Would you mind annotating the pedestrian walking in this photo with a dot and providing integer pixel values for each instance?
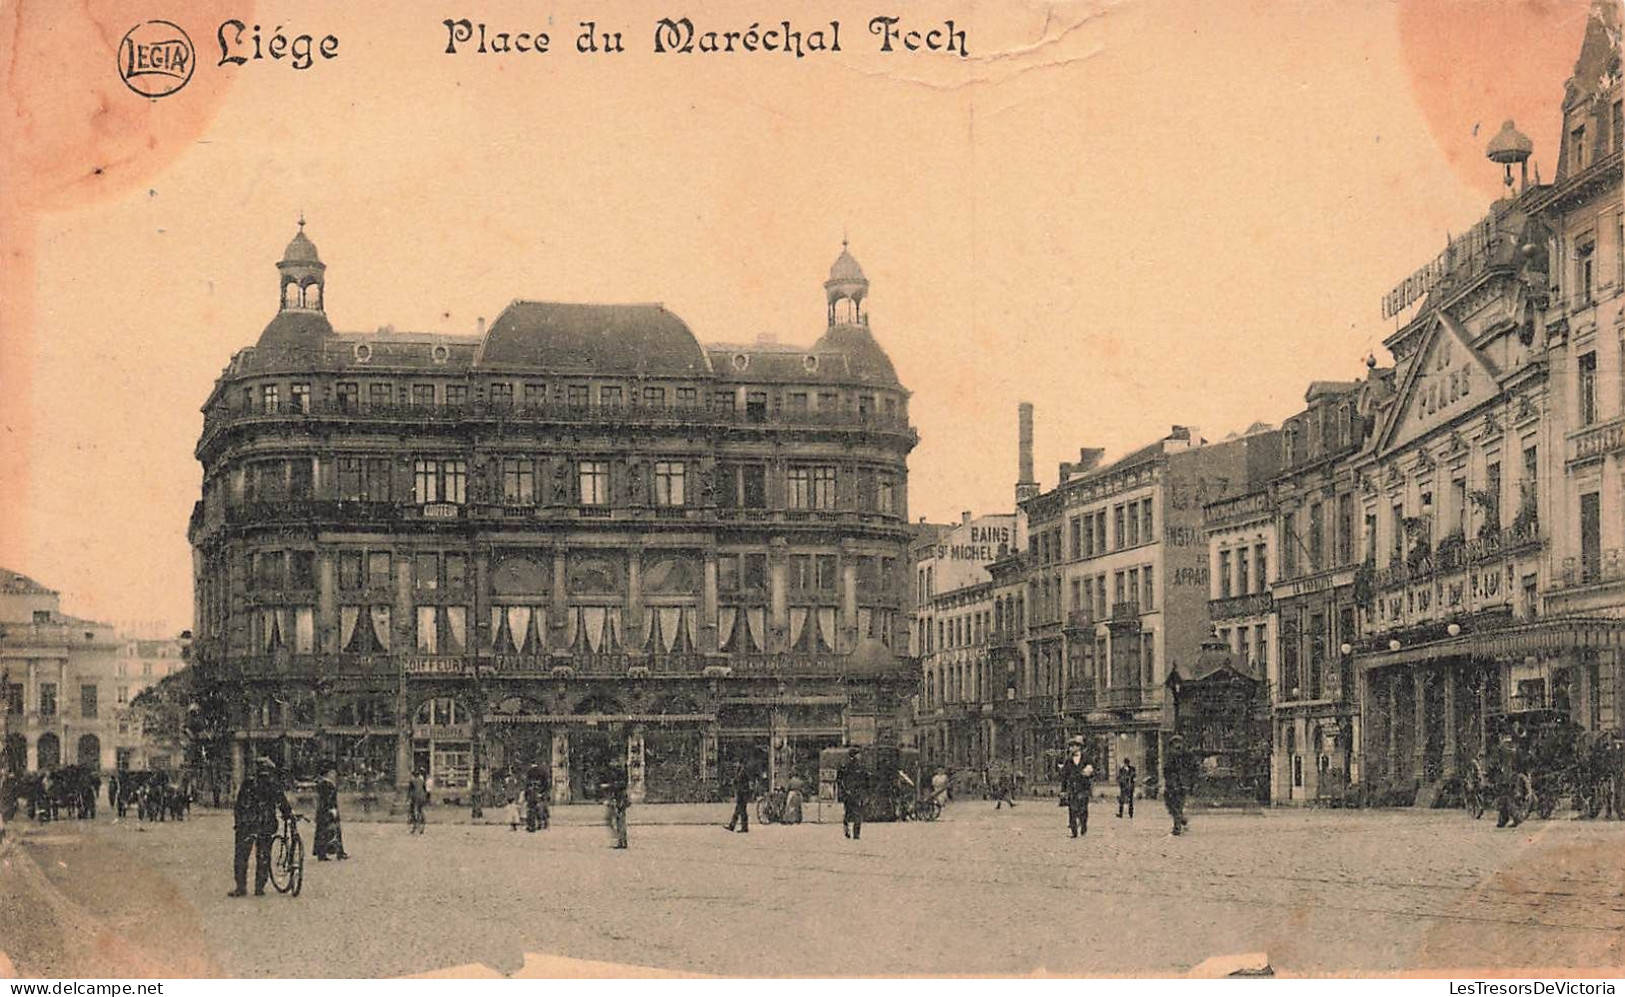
(1077, 785)
(254, 818)
(852, 785)
(1508, 782)
(329, 829)
(614, 789)
(1178, 781)
(537, 788)
(112, 793)
(793, 800)
(417, 798)
(741, 788)
(1127, 775)
(1003, 787)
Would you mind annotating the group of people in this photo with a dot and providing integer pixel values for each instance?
(262, 801)
(529, 804)
(1523, 770)
(1077, 775)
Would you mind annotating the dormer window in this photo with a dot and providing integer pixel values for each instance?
(1577, 149)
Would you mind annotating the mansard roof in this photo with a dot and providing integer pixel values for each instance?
(593, 339)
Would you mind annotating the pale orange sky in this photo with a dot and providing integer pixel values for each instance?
(1131, 215)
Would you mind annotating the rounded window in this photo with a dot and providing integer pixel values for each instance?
(741, 361)
(441, 354)
(810, 362)
(363, 352)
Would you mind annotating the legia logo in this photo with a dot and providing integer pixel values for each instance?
(156, 58)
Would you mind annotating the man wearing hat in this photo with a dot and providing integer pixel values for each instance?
(852, 784)
(259, 801)
(1077, 785)
(1178, 780)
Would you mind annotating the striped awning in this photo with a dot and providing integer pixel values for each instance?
(1567, 633)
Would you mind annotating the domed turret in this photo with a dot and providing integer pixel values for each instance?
(845, 290)
(300, 323)
(303, 274)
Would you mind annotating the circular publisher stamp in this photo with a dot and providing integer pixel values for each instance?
(156, 58)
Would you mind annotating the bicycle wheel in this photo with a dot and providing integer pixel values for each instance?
(296, 867)
(930, 810)
(279, 863)
(763, 811)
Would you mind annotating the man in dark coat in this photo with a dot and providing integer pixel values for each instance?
(329, 829)
(741, 787)
(1126, 777)
(1506, 776)
(536, 792)
(614, 790)
(1077, 785)
(259, 801)
(1178, 781)
(852, 785)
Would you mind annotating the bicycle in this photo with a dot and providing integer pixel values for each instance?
(288, 857)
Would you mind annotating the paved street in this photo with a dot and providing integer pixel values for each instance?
(980, 892)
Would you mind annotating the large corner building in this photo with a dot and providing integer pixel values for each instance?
(580, 535)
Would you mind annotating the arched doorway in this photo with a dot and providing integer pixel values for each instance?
(594, 745)
(90, 751)
(47, 753)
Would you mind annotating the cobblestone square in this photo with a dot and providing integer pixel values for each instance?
(979, 892)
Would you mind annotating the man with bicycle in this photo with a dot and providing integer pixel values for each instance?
(259, 802)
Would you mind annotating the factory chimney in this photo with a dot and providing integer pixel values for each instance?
(1026, 484)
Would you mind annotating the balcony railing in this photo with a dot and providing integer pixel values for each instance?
(1457, 557)
(221, 418)
(1081, 698)
(1251, 604)
(1080, 619)
(1597, 441)
(1609, 566)
(1125, 611)
(1124, 697)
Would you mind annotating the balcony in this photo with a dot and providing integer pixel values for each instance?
(289, 414)
(1081, 698)
(1251, 604)
(1596, 442)
(1457, 556)
(1125, 611)
(1125, 697)
(1609, 567)
(1080, 621)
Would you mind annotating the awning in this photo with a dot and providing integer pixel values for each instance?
(1568, 633)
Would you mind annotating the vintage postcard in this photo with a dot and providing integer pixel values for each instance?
(1087, 488)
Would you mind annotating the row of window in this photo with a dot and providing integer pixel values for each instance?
(273, 571)
(671, 483)
(1132, 524)
(1243, 572)
(46, 699)
(383, 394)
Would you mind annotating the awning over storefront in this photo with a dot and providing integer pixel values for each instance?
(1568, 633)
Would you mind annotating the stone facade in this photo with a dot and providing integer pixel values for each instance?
(577, 537)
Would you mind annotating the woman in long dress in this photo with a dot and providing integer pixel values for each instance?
(793, 800)
(329, 832)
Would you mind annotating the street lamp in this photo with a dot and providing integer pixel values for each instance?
(1454, 629)
(1346, 648)
(1393, 645)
